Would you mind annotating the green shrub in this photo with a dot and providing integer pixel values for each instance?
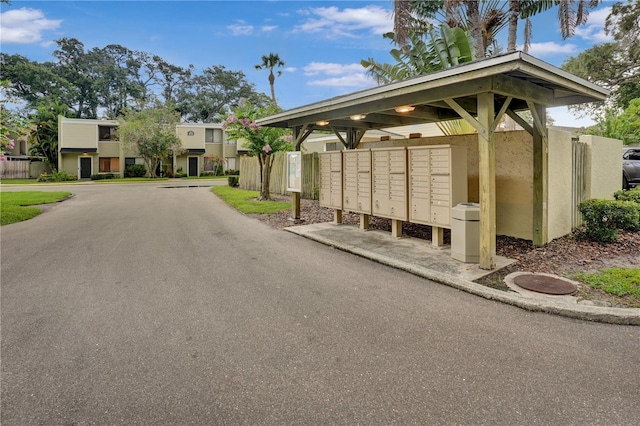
(604, 218)
(204, 174)
(632, 194)
(232, 172)
(179, 175)
(60, 176)
(233, 181)
(135, 170)
(101, 176)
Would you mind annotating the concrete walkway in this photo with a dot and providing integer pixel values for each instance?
(419, 257)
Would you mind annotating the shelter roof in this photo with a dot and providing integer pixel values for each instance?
(518, 77)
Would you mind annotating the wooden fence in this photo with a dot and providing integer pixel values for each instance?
(14, 169)
(250, 175)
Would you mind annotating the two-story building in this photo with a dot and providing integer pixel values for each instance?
(87, 147)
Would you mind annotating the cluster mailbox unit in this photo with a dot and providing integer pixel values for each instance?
(419, 184)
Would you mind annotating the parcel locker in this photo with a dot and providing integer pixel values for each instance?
(330, 179)
(356, 173)
(437, 182)
(390, 183)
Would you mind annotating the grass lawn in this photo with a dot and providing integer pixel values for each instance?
(30, 181)
(13, 204)
(621, 282)
(245, 201)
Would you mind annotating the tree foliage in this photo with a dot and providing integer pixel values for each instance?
(43, 139)
(262, 142)
(269, 62)
(103, 82)
(151, 134)
(437, 49)
(625, 126)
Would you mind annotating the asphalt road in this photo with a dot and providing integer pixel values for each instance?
(138, 304)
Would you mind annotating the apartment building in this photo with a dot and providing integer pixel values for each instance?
(87, 147)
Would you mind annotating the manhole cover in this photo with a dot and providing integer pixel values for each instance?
(544, 284)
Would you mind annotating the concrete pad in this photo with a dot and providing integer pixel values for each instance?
(381, 246)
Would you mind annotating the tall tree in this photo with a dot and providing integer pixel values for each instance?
(443, 47)
(43, 139)
(151, 133)
(213, 93)
(484, 19)
(270, 62)
(263, 142)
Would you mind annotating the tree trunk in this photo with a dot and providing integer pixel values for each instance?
(514, 12)
(266, 179)
(473, 13)
(272, 80)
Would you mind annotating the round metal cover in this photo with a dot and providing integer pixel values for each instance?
(545, 284)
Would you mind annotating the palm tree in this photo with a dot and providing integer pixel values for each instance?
(270, 62)
(571, 14)
(445, 47)
(485, 18)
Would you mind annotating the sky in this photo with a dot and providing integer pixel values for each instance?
(321, 42)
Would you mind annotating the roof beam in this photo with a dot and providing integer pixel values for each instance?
(522, 89)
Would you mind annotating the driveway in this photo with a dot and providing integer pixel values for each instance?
(140, 304)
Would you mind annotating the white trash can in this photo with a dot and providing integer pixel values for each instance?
(465, 232)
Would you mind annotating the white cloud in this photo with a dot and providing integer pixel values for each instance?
(593, 30)
(315, 68)
(240, 29)
(333, 22)
(290, 69)
(356, 80)
(551, 48)
(25, 25)
(267, 28)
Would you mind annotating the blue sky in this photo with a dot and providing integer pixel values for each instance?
(321, 42)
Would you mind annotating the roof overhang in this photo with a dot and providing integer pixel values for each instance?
(515, 76)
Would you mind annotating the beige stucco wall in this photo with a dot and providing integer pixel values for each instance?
(195, 141)
(109, 149)
(604, 166)
(560, 176)
(70, 163)
(80, 133)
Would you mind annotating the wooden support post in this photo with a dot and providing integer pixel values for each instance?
(437, 236)
(396, 228)
(295, 206)
(487, 177)
(540, 175)
(364, 221)
(337, 216)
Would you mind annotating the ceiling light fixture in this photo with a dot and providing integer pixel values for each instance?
(404, 108)
(322, 122)
(358, 117)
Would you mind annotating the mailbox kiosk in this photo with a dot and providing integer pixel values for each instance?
(331, 182)
(390, 197)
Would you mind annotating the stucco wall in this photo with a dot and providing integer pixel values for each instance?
(109, 149)
(604, 166)
(195, 141)
(560, 176)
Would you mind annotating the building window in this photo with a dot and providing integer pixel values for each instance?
(231, 141)
(107, 133)
(109, 165)
(129, 161)
(213, 136)
(331, 146)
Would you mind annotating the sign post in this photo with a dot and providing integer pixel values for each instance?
(294, 182)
